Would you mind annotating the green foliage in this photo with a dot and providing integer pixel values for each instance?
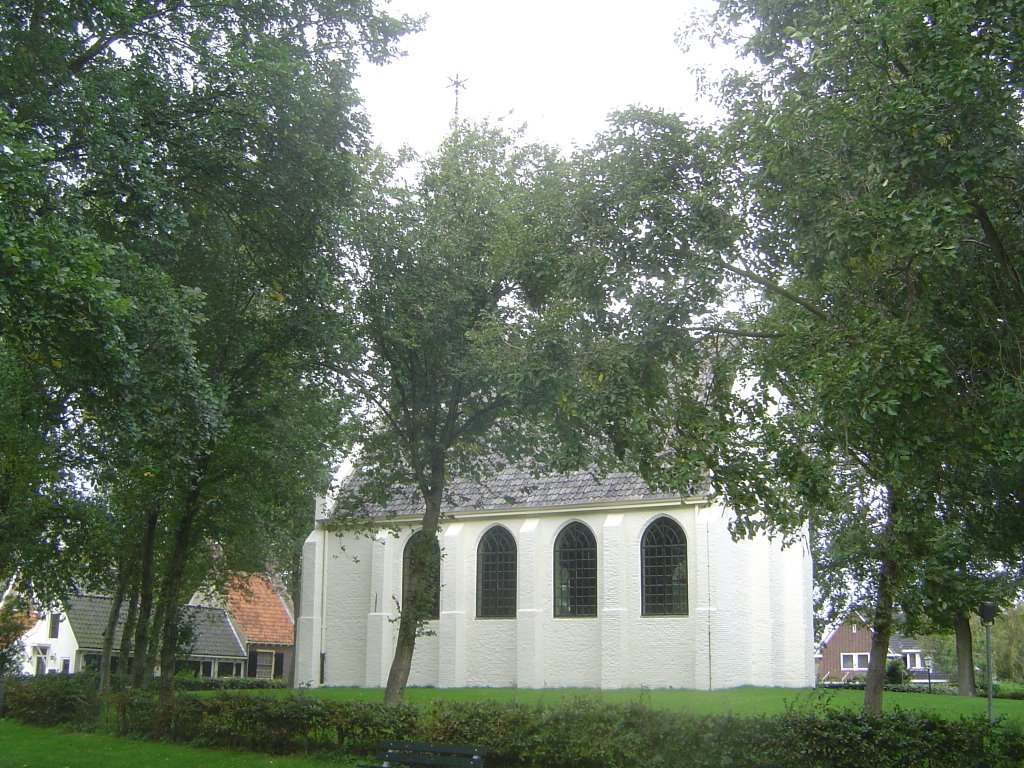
(171, 303)
(186, 683)
(52, 699)
(896, 672)
(577, 732)
(362, 725)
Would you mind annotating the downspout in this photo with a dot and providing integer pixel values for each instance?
(321, 664)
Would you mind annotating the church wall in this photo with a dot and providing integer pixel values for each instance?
(494, 661)
(749, 614)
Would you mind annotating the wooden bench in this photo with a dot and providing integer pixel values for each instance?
(394, 753)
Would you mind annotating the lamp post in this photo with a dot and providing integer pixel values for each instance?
(928, 662)
(987, 612)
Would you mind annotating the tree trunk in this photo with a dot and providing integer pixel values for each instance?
(170, 597)
(129, 630)
(881, 626)
(966, 685)
(141, 666)
(111, 628)
(414, 604)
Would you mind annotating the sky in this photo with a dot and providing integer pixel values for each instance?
(558, 66)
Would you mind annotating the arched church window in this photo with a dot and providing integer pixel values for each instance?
(575, 573)
(428, 551)
(496, 574)
(663, 569)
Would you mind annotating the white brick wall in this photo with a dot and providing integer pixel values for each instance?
(749, 616)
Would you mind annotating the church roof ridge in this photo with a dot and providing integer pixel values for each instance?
(512, 488)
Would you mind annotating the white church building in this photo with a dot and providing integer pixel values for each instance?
(562, 581)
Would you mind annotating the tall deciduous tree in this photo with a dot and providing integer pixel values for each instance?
(494, 306)
(879, 149)
(437, 298)
(208, 151)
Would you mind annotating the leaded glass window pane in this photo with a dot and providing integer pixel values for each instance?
(496, 574)
(430, 551)
(663, 569)
(575, 575)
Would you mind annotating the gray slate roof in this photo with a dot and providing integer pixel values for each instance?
(514, 488)
(88, 614)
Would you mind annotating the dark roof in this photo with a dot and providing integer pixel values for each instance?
(213, 635)
(513, 488)
(87, 615)
(901, 643)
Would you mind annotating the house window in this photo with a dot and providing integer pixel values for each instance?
(496, 574)
(265, 664)
(663, 569)
(912, 660)
(225, 669)
(575, 572)
(425, 547)
(855, 660)
(65, 666)
(54, 624)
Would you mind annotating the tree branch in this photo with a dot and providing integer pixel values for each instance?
(995, 242)
(720, 330)
(777, 289)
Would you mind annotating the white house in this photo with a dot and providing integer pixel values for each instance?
(71, 640)
(563, 581)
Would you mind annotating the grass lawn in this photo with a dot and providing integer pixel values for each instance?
(744, 701)
(26, 746)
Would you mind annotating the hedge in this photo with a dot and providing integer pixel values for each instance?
(581, 733)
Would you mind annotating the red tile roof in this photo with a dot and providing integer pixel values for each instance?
(259, 610)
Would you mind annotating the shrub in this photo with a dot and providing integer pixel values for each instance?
(191, 683)
(361, 725)
(261, 724)
(52, 699)
(135, 712)
(896, 672)
(507, 730)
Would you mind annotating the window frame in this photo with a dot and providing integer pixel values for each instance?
(574, 578)
(497, 574)
(264, 664)
(856, 659)
(664, 569)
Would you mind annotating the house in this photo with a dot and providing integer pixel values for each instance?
(844, 654)
(561, 581)
(71, 640)
(265, 625)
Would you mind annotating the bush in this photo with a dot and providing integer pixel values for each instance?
(260, 724)
(507, 730)
(361, 725)
(52, 699)
(191, 683)
(576, 734)
(896, 672)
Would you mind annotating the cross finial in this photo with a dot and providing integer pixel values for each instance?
(458, 84)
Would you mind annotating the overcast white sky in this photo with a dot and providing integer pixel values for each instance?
(560, 66)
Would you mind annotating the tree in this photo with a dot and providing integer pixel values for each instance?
(878, 151)
(493, 308)
(439, 317)
(209, 149)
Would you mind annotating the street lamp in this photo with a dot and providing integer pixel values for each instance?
(928, 662)
(987, 612)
